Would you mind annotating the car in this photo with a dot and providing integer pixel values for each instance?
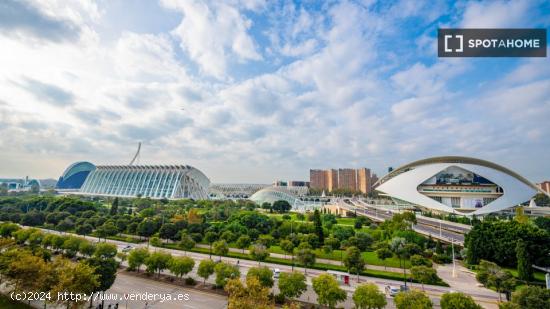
(276, 273)
(127, 248)
(392, 290)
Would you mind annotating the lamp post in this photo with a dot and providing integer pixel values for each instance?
(454, 262)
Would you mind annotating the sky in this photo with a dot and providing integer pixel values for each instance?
(254, 91)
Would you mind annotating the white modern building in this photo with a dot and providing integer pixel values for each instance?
(272, 194)
(459, 185)
(153, 181)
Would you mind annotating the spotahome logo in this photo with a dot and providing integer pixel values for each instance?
(491, 43)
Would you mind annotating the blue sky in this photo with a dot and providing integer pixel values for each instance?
(253, 91)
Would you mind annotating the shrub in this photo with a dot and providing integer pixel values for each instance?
(442, 259)
(190, 281)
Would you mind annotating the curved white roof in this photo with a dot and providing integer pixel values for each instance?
(403, 182)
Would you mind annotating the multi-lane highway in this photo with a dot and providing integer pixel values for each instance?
(445, 231)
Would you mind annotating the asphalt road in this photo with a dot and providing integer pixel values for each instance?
(423, 225)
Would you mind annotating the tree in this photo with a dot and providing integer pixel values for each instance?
(187, 243)
(27, 272)
(491, 275)
(292, 285)
(412, 300)
(210, 238)
(318, 226)
(114, 207)
(368, 296)
(243, 242)
(281, 206)
(305, 256)
(86, 248)
(383, 254)
(74, 277)
(353, 260)
(328, 290)
(146, 228)
(105, 269)
(259, 252)
(418, 260)
(137, 257)
(220, 248)
(83, 229)
(263, 274)
(206, 269)
(525, 270)
(531, 297)
(496, 241)
(225, 271)
(180, 266)
(105, 251)
(168, 231)
(71, 245)
(424, 275)
(157, 262)
(457, 300)
(288, 248)
(253, 296)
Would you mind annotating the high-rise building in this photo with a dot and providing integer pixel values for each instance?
(331, 178)
(544, 186)
(317, 179)
(363, 180)
(344, 178)
(373, 180)
(347, 179)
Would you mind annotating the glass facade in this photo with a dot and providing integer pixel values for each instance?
(74, 176)
(171, 182)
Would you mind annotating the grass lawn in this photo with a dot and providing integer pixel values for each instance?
(538, 276)
(346, 221)
(7, 303)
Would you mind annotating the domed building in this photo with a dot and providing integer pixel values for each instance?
(459, 185)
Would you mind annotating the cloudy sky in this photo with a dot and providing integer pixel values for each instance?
(252, 90)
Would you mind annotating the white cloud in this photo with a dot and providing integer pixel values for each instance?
(214, 33)
(498, 14)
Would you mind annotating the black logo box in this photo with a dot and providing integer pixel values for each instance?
(449, 42)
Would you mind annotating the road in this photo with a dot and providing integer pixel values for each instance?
(483, 296)
(423, 226)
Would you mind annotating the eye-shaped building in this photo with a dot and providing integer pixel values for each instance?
(459, 185)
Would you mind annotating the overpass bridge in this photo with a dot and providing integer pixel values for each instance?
(438, 229)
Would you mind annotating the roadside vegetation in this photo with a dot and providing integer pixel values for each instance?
(220, 228)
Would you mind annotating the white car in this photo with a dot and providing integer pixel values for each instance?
(276, 273)
(392, 290)
(127, 248)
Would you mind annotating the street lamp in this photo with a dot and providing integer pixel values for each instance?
(454, 262)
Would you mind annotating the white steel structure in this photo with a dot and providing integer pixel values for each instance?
(458, 185)
(273, 194)
(165, 181)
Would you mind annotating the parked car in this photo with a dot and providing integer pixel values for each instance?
(392, 290)
(276, 273)
(127, 248)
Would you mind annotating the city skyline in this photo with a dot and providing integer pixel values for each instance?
(277, 90)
